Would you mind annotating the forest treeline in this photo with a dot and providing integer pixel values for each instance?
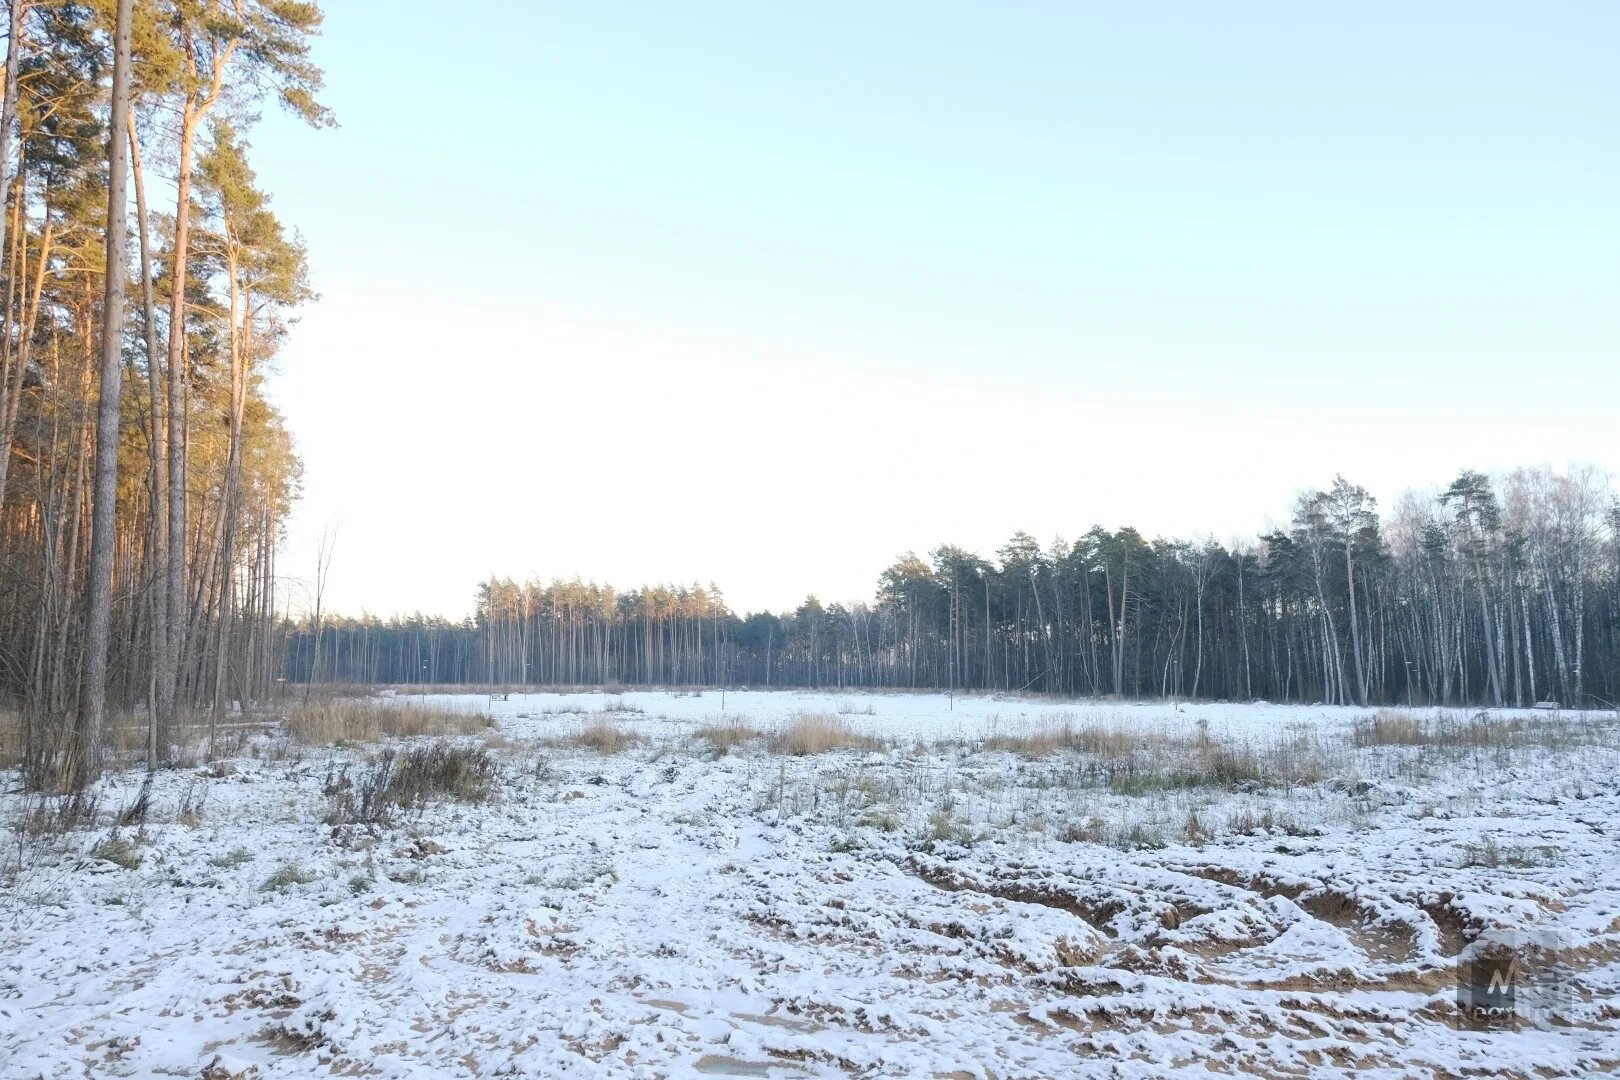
(144, 478)
(1500, 591)
(146, 284)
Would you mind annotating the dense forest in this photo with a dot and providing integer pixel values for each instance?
(145, 478)
(1500, 592)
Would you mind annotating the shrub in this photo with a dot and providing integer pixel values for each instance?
(443, 770)
(362, 799)
(817, 733)
(409, 780)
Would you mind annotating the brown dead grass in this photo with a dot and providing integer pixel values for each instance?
(818, 733)
(1390, 727)
(601, 735)
(1396, 727)
(10, 739)
(1133, 760)
(725, 734)
(1108, 741)
(344, 721)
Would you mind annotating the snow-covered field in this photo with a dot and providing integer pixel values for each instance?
(991, 888)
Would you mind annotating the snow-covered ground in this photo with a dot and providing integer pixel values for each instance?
(946, 901)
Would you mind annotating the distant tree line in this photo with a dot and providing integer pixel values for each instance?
(1489, 592)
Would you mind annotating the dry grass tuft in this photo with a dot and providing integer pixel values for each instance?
(1390, 727)
(1395, 727)
(601, 735)
(817, 733)
(117, 850)
(1133, 760)
(1111, 742)
(725, 734)
(287, 875)
(344, 721)
(1205, 763)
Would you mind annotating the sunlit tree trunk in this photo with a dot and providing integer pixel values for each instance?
(104, 522)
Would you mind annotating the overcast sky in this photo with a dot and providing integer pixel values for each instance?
(703, 291)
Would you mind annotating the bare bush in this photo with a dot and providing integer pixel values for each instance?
(346, 721)
(134, 813)
(360, 798)
(443, 770)
(1252, 822)
(408, 780)
(817, 733)
(54, 815)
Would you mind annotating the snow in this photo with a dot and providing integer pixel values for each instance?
(933, 907)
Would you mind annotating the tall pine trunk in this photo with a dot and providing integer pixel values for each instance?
(104, 524)
(169, 668)
(157, 476)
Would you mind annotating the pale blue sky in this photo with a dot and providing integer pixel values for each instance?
(935, 256)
